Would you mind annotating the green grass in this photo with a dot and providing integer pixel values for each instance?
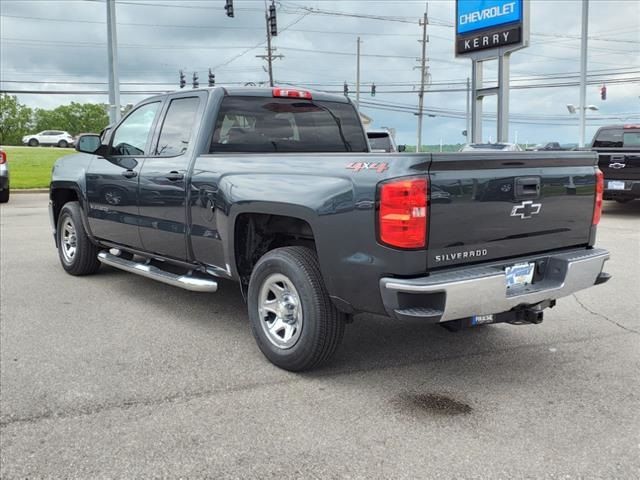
(30, 167)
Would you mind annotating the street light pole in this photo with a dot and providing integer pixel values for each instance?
(112, 58)
(358, 74)
(583, 70)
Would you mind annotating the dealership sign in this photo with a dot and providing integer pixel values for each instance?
(490, 24)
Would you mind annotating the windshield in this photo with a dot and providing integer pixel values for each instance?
(266, 124)
(379, 141)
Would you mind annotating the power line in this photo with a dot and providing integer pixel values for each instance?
(431, 90)
(37, 43)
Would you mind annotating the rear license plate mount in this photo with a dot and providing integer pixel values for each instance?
(615, 185)
(519, 275)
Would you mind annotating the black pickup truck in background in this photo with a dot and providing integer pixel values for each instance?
(618, 148)
(277, 190)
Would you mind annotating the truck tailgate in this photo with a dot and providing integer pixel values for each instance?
(488, 206)
(619, 163)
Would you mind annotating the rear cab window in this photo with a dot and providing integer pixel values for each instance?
(608, 138)
(266, 124)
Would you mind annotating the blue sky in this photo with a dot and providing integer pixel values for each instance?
(63, 41)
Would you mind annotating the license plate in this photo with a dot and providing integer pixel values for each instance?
(520, 274)
(612, 185)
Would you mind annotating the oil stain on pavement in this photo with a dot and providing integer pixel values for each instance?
(429, 403)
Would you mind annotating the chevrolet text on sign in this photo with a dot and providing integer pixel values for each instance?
(478, 14)
(488, 24)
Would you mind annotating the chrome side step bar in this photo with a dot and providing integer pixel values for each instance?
(188, 282)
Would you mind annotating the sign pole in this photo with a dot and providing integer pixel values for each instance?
(503, 98)
(476, 102)
(468, 116)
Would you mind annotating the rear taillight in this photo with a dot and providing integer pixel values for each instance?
(402, 214)
(291, 93)
(3, 157)
(597, 207)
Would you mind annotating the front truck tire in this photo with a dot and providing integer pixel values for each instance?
(294, 322)
(78, 255)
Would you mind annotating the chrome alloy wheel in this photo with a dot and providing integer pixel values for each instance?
(280, 311)
(69, 241)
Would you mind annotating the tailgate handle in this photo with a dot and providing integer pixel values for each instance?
(617, 158)
(527, 187)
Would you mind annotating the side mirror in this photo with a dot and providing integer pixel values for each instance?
(88, 143)
(402, 148)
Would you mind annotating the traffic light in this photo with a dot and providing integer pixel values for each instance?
(373, 89)
(346, 88)
(603, 92)
(183, 82)
(271, 20)
(212, 78)
(229, 8)
(195, 80)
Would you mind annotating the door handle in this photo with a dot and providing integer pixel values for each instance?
(175, 176)
(129, 174)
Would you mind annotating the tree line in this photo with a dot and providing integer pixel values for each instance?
(18, 120)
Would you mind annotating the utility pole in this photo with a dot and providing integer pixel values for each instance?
(358, 75)
(270, 22)
(269, 51)
(423, 75)
(112, 58)
(583, 70)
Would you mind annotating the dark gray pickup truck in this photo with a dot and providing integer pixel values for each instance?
(276, 189)
(618, 148)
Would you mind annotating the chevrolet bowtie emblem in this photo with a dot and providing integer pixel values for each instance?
(526, 209)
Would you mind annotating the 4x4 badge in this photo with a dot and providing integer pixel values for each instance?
(526, 209)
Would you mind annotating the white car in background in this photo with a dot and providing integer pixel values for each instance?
(57, 138)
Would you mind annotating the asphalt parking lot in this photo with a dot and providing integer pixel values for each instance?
(114, 375)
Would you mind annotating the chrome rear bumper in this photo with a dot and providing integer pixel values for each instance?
(482, 290)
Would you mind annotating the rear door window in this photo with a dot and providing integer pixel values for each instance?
(265, 124)
(177, 127)
(609, 138)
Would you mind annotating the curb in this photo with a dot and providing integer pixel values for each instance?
(30, 190)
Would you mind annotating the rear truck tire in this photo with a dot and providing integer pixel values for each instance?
(4, 195)
(295, 324)
(63, 144)
(78, 255)
(33, 142)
